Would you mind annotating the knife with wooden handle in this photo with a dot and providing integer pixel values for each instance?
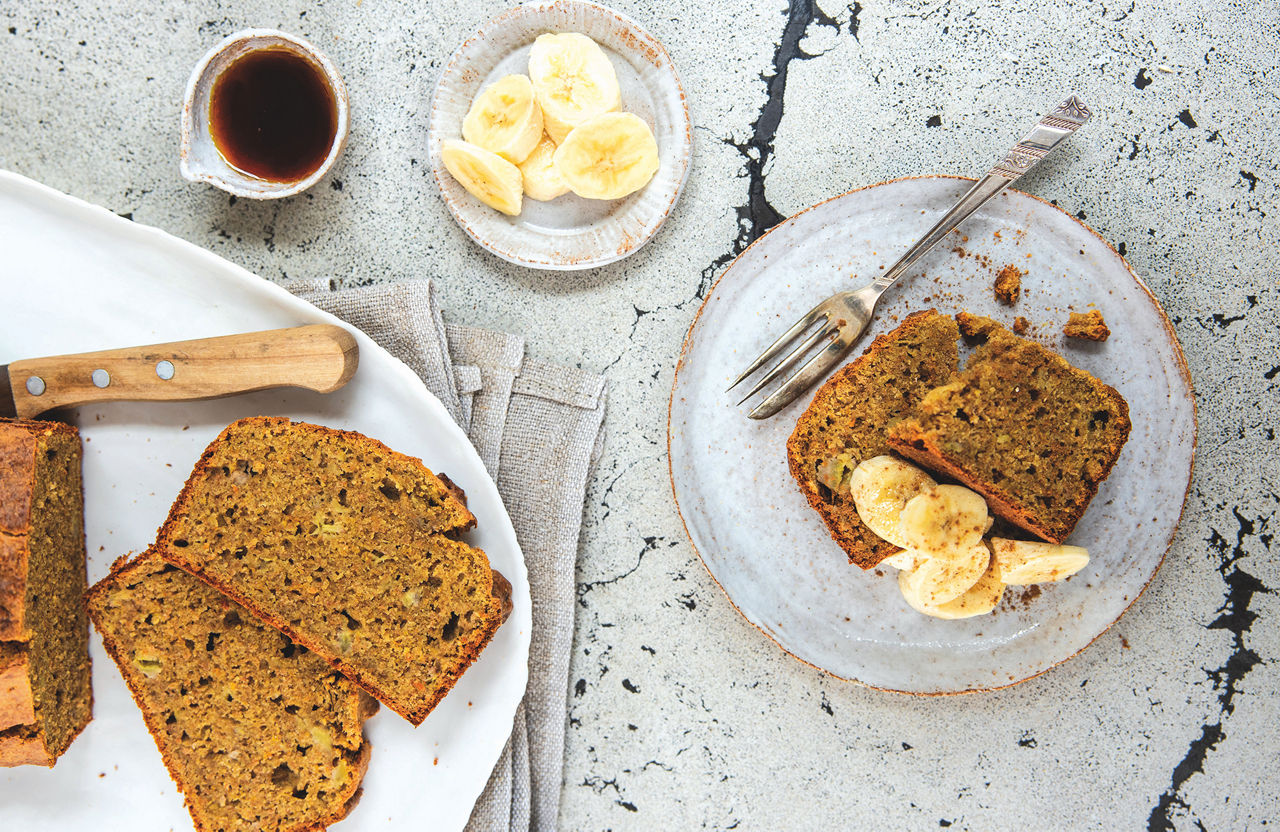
(319, 357)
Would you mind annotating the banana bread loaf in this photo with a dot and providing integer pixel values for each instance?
(345, 546)
(258, 733)
(45, 693)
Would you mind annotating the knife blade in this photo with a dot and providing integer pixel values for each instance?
(7, 410)
(319, 357)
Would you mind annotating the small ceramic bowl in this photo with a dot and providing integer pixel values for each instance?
(568, 232)
(200, 159)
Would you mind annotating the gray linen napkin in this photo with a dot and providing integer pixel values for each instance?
(537, 428)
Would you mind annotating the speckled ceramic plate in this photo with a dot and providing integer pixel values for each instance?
(76, 277)
(569, 232)
(770, 551)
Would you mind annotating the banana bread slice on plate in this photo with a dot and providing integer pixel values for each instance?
(1029, 432)
(257, 733)
(345, 546)
(847, 421)
(46, 697)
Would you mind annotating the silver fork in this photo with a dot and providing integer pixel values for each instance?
(845, 315)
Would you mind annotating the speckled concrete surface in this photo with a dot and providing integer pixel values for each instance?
(681, 714)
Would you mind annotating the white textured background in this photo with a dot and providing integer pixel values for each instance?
(681, 714)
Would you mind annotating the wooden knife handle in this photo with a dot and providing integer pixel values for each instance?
(319, 357)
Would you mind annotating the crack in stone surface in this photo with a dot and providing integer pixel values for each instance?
(757, 215)
(1236, 617)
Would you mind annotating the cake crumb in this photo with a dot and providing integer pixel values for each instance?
(1021, 325)
(1087, 325)
(1008, 285)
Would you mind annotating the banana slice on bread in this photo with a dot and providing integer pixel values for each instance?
(881, 487)
(947, 568)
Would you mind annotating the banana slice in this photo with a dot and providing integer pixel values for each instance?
(608, 157)
(489, 177)
(944, 520)
(979, 599)
(574, 81)
(1021, 562)
(505, 119)
(881, 487)
(905, 560)
(938, 580)
(541, 179)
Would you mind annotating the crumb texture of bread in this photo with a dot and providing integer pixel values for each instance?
(257, 732)
(1008, 285)
(1021, 325)
(1088, 326)
(46, 696)
(345, 546)
(851, 413)
(1021, 426)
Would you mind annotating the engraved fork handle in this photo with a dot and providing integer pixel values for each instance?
(1044, 137)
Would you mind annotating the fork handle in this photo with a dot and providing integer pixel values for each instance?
(1044, 137)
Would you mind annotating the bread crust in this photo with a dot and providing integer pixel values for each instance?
(17, 701)
(18, 750)
(155, 721)
(863, 547)
(477, 640)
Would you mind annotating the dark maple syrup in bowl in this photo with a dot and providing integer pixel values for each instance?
(273, 115)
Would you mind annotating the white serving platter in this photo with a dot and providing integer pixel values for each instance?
(568, 232)
(75, 278)
(770, 552)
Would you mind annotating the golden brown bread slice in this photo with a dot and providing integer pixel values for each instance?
(46, 697)
(345, 546)
(1029, 432)
(848, 418)
(257, 733)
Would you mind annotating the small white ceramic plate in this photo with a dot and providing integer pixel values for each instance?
(770, 551)
(568, 232)
(76, 278)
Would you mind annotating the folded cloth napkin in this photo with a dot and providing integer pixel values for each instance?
(537, 427)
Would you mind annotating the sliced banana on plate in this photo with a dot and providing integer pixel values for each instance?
(505, 119)
(1021, 562)
(608, 157)
(979, 599)
(945, 519)
(881, 487)
(541, 179)
(486, 175)
(906, 560)
(574, 81)
(938, 580)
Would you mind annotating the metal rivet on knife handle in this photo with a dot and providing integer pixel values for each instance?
(35, 385)
(101, 378)
(164, 369)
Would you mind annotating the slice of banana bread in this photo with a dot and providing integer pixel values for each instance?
(344, 545)
(46, 697)
(849, 415)
(257, 733)
(1029, 432)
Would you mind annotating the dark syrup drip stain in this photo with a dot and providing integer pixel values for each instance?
(273, 115)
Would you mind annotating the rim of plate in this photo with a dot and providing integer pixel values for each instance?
(463, 206)
(1183, 369)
